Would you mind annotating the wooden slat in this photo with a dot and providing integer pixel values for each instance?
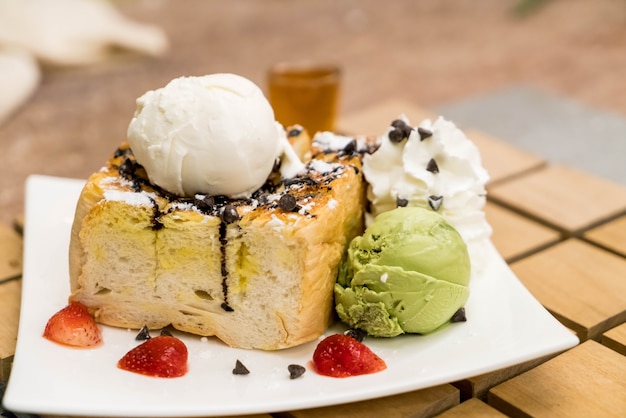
(586, 381)
(18, 223)
(581, 284)
(478, 386)
(515, 235)
(10, 253)
(250, 416)
(422, 403)
(10, 293)
(611, 235)
(615, 338)
(473, 408)
(229, 416)
(5, 370)
(562, 196)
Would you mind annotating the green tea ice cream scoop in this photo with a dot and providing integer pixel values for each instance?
(408, 273)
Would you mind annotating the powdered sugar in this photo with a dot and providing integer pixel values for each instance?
(131, 198)
(323, 167)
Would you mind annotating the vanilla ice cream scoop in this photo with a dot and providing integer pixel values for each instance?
(214, 134)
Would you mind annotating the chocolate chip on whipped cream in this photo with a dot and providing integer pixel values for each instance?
(435, 202)
(396, 136)
(400, 132)
(424, 133)
(432, 166)
(402, 126)
(401, 202)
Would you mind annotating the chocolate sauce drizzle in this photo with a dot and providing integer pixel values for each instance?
(223, 243)
(156, 215)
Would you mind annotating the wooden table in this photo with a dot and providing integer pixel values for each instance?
(573, 262)
(562, 231)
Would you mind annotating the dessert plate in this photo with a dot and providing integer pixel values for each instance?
(505, 326)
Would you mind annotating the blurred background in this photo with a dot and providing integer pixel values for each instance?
(451, 56)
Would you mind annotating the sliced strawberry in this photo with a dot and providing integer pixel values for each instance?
(73, 326)
(340, 355)
(162, 356)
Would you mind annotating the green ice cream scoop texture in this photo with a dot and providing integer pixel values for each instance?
(408, 273)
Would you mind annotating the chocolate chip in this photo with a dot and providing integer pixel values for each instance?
(165, 333)
(432, 166)
(263, 199)
(229, 214)
(459, 316)
(403, 127)
(435, 202)
(424, 133)
(357, 334)
(401, 202)
(120, 151)
(295, 371)
(400, 132)
(205, 204)
(396, 135)
(221, 200)
(295, 131)
(406, 131)
(240, 368)
(144, 334)
(288, 202)
(398, 123)
(350, 148)
(127, 168)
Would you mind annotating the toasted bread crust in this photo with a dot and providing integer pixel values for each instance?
(260, 279)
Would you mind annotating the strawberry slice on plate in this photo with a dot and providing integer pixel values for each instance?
(73, 326)
(162, 356)
(341, 355)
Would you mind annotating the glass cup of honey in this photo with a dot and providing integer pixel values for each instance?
(305, 93)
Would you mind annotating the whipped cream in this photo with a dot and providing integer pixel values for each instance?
(435, 167)
(213, 134)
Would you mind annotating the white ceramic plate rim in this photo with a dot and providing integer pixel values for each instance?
(505, 326)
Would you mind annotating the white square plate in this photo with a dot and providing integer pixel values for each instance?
(505, 326)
